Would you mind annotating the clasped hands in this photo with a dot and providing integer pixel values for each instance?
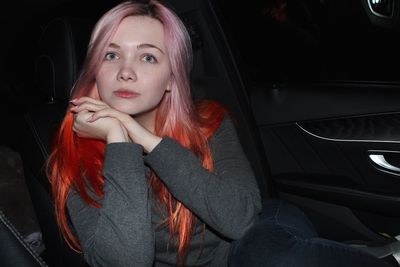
(95, 119)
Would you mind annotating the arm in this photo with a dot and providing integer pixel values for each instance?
(228, 199)
(120, 232)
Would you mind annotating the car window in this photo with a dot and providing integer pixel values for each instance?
(294, 40)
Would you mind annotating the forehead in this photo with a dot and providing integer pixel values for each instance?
(135, 30)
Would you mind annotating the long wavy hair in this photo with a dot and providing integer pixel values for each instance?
(77, 162)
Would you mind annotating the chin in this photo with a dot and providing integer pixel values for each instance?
(128, 109)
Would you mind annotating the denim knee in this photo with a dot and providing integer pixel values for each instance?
(273, 234)
(283, 236)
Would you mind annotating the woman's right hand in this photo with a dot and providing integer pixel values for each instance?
(108, 129)
(100, 111)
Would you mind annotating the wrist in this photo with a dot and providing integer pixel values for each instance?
(117, 136)
(150, 143)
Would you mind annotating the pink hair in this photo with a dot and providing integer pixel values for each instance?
(177, 117)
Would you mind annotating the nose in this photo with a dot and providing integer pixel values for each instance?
(127, 73)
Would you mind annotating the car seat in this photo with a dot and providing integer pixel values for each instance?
(62, 49)
(14, 251)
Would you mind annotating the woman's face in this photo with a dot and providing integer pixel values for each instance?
(135, 72)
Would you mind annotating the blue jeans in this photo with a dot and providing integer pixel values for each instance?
(284, 237)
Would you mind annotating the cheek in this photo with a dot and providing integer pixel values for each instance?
(102, 82)
(159, 88)
(100, 90)
(155, 97)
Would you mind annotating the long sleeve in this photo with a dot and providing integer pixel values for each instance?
(120, 232)
(226, 199)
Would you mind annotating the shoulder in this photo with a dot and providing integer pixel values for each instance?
(226, 127)
(211, 115)
(226, 134)
(216, 121)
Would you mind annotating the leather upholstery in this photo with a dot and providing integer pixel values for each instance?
(56, 71)
(61, 50)
(13, 249)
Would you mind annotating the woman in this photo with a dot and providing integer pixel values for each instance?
(147, 176)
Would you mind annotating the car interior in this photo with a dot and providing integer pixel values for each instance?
(328, 145)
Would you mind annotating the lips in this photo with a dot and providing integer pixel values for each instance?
(124, 93)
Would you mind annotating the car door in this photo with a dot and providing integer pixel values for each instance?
(323, 84)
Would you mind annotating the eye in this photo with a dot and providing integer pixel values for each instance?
(149, 59)
(111, 56)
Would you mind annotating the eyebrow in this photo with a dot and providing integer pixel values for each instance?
(149, 46)
(140, 46)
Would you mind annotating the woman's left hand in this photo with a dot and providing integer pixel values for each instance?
(137, 133)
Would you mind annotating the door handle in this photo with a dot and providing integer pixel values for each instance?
(380, 160)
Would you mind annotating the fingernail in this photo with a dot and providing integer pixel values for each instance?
(73, 100)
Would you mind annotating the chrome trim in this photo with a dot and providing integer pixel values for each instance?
(396, 255)
(380, 15)
(382, 162)
(346, 140)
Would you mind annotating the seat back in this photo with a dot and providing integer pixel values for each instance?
(215, 76)
(61, 51)
(14, 251)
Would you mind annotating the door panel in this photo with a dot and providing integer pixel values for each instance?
(321, 152)
(284, 103)
(323, 84)
(373, 128)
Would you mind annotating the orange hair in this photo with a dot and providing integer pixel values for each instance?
(77, 162)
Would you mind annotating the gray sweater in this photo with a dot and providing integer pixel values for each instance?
(127, 230)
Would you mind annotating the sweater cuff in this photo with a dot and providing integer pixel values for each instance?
(160, 150)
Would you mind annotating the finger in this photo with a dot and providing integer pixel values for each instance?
(107, 112)
(87, 106)
(82, 117)
(83, 99)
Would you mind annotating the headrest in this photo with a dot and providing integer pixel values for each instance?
(62, 49)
